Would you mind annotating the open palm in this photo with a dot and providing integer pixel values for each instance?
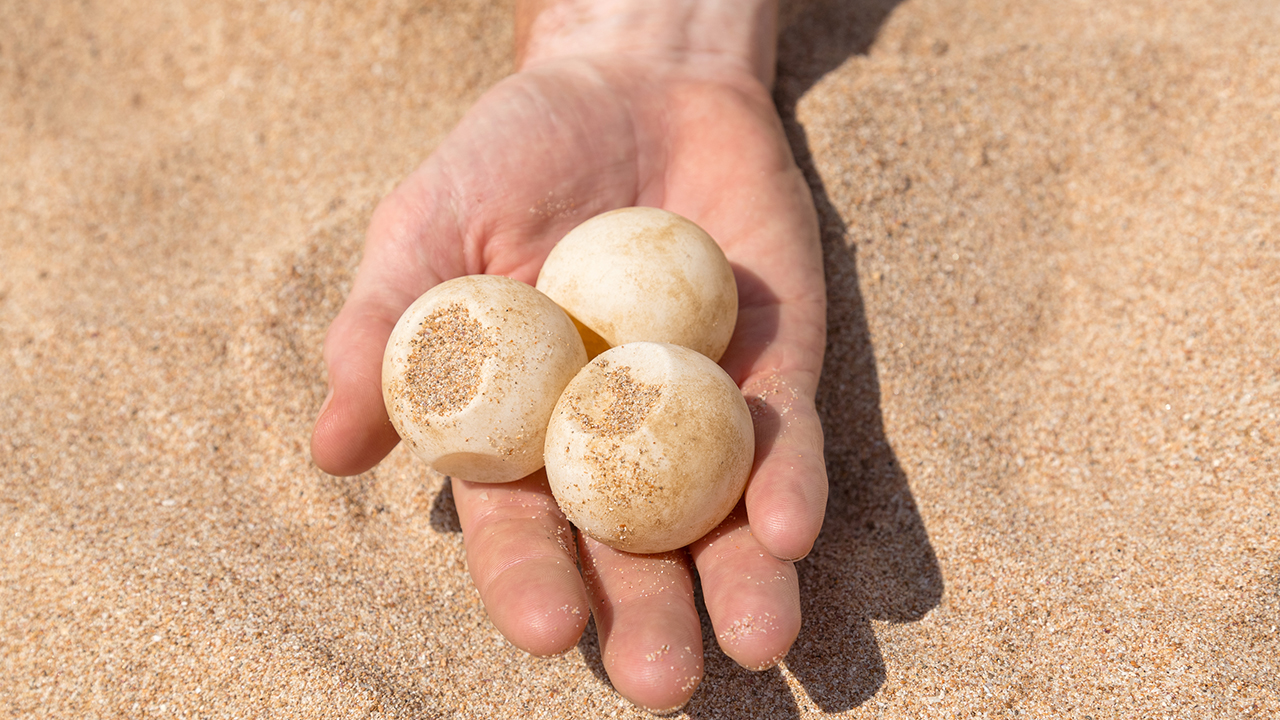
(542, 151)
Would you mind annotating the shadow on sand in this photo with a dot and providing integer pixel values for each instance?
(873, 560)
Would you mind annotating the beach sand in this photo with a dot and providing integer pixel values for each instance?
(1051, 394)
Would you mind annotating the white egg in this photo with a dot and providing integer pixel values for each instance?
(649, 447)
(472, 372)
(643, 274)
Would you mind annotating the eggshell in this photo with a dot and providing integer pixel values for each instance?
(649, 447)
(643, 274)
(472, 372)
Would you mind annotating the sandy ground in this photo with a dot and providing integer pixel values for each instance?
(1052, 233)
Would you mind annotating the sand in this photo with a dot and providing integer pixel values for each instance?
(1051, 393)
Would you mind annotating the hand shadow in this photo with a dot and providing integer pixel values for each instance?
(873, 559)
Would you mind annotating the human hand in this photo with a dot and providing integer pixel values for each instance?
(566, 138)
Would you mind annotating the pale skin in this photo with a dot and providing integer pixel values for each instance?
(615, 103)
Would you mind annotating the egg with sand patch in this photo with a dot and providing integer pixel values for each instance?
(649, 447)
(472, 371)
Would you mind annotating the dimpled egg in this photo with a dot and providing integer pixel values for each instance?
(642, 273)
(472, 372)
(649, 447)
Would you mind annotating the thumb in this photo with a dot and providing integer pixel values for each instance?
(353, 431)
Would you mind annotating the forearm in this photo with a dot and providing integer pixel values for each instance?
(741, 33)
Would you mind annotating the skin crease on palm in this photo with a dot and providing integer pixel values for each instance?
(550, 146)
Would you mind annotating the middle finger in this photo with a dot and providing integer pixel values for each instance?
(650, 635)
(521, 554)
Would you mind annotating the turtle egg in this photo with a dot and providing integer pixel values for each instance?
(642, 273)
(472, 372)
(649, 447)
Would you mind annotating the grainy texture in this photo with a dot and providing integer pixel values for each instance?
(1051, 392)
(443, 369)
(625, 402)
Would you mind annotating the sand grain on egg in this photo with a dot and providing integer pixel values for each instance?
(626, 403)
(617, 413)
(443, 373)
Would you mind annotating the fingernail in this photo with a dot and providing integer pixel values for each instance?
(327, 399)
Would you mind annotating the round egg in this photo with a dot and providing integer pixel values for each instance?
(649, 447)
(642, 273)
(472, 372)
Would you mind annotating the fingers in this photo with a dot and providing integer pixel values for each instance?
(650, 637)
(521, 554)
(787, 495)
(752, 597)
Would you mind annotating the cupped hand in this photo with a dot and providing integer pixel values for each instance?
(542, 151)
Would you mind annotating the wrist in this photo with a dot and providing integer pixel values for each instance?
(740, 34)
